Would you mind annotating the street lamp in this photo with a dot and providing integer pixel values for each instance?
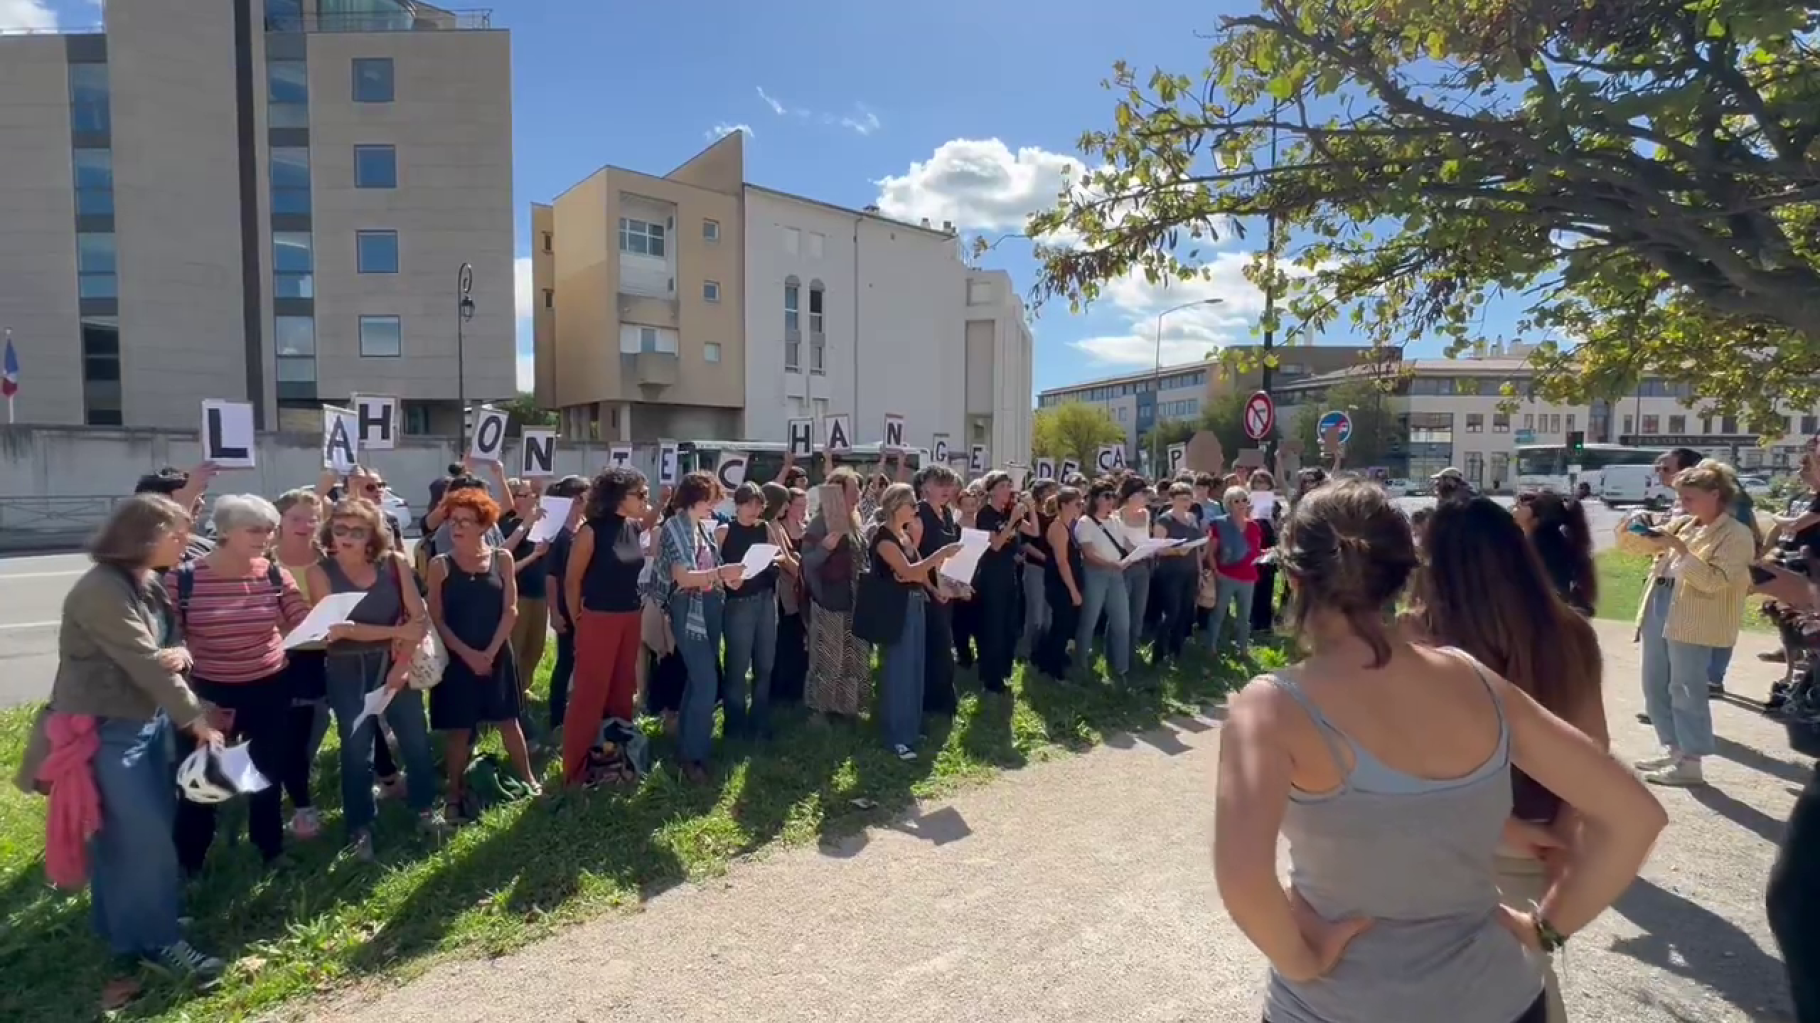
(1156, 385)
(464, 311)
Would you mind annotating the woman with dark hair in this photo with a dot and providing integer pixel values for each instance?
(1035, 549)
(963, 603)
(890, 550)
(1064, 577)
(473, 604)
(533, 622)
(1518, 626)
(995, 583)
(601, 587)
(936, 486)
(1266, 511)
(1176, 574)
(1556, 527)
(556, 572)
(840, 663)
(749, 619)
(787, 509)
(688, 561)
(1386, 764)
(1103, 588)
(1132, 524)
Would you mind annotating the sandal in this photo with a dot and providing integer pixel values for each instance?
(119, 993)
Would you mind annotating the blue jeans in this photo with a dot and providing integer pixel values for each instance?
(1721, 662)
(351, 675)
(1232, 602)
(1105, 591)
(901, 703)
(1674, 683)
(1036, 607)
(751, 628)
(135, 884)
(695, 724)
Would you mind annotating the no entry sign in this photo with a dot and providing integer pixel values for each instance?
(1333, 419)
(1260, 416)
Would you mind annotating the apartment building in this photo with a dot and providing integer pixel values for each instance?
(737, 308)
(1446, 412)
(265, 200)
(1141, 401)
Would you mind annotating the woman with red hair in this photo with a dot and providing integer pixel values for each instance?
(474, 604)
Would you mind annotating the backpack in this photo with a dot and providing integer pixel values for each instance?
(489, 782)
(1233, 545)
(186, 584)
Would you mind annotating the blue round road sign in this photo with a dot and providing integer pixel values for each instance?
(1331, 419)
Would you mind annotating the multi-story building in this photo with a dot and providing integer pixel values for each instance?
(1449, 412)
(1141, 401)
(267, 204)
(737, 308)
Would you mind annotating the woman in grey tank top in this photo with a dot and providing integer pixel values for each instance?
(1386, 766)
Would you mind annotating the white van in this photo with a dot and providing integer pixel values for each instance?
(1631, 484)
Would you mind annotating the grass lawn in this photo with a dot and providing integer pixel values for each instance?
(327, 920)
(1621, 579)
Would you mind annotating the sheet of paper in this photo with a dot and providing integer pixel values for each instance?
(974, 545)
(237, 764)
(1192, 544)
(555, 513)
(759, 557)
(333, 610)
(1263, 504)
(1146, 549)
(374, 705)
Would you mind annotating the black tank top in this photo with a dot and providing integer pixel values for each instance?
(609, 583)
(733, 549)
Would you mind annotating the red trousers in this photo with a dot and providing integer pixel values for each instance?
(605, 686)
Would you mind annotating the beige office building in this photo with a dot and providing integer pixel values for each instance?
(257, 200)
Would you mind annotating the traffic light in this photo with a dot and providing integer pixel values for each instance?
(1576, 441)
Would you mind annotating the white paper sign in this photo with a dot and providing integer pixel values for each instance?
(974, 545)
(839, 432)
(373, 706)
(894, 432)
(976, 460)
(1263, 504)
(228, 438)
(378, 421)
(619, 456)
(340, 439)
(801, 435)
(1109, 458)
(1045, 468)
(668, 457)
(759, 557)
(732, 469)
(1178, 457)
(1147, 548)
(332, 610)
(489, 434)
(539, 458)
(938, 449)
(1070, 467)
(236, 763)
(555, 513)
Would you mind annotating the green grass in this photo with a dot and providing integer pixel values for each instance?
(327, 920)
(1621, 580)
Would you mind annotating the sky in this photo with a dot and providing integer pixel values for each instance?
(954, 110)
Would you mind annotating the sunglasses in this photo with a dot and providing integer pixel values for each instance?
(349, 532)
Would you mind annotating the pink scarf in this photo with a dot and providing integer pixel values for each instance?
(74, 814)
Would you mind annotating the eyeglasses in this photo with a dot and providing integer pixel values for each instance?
(340, 532)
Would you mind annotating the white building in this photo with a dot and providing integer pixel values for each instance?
(847, 311)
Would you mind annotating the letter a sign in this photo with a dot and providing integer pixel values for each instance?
(340, 430)
(894, 432)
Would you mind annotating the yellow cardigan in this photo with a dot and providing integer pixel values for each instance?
(1708, 603)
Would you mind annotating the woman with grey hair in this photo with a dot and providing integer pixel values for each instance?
(840, 663)
(236, 605)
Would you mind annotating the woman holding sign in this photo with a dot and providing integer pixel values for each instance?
(751, 617)
(840, 663)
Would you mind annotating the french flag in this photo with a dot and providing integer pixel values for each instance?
(9, 370)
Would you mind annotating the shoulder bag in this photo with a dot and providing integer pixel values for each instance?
(881, 603)
(429, 659)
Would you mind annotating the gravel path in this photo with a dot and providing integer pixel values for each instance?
(1081, 889)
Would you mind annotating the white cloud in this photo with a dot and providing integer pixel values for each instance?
(26, 16)
(1188, 334)
(777, 106)
(524, 301)
(979, 184)
(864, 122)
(723, 129)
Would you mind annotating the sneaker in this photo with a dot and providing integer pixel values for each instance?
(903, 752)
(1715, 689)
(1643, 719)
(1680, 774)
(1666, 758)
(361, 847)
(306, 823)
(182, 958)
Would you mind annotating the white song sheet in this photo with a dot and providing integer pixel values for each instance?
(974, 545)
(333, 610)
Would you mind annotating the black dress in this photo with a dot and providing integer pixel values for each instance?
(472, 605)
(1052, 651)
(940, 528)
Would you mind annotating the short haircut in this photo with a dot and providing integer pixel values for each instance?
(485, 509)
(608, 490)
(242, 511)
(131, 535)
(568, 486)
(166, 481)
(696, 488)
(300, 495)
(379, 534)
(1683, 458)
(748, 493)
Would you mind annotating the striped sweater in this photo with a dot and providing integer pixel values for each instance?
(235, 627)
(1711, 581)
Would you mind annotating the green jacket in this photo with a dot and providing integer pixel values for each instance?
(107, 664)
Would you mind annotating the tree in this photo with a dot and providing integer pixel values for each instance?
(1074, 430)
(1641, 176)
(526, 412)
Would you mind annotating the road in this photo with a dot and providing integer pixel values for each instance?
(32, 590)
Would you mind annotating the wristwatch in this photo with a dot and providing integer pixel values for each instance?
(1550, 939)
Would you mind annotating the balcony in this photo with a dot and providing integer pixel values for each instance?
(385, 16)
(656, 369)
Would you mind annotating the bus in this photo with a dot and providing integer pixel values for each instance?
(1549, 466)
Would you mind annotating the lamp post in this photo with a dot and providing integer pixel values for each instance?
(464, 311)
(1156, 383)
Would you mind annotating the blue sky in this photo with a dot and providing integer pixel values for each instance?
(955, 110)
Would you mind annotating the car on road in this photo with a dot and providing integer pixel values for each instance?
(397, 510)
(1756, 486)
(1401, 487)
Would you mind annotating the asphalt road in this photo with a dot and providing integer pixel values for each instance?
(32, 590)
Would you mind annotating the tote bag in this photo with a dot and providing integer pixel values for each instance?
(881, 603)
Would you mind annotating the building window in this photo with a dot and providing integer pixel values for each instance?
(377, 251)
(1572, 420)
(293, 265)
(94, 182)
(636, 340)
(1475, 422)
(1500, 422)
(1810, 425)
(641, 237)
(548, 242)
(710, 291)
(792, 293)
(291, 180)
(381, 337)
(101, 371)
(294, 336)
(95, 265)
(815, 308)
(1529, 421)
(372, 79)
(710, 351)
(1677, 424)
(1652, 425)
(816, 243)
(287, 94)
(710, 230)
(89, 111)
(818, 341)
(549, 299)
(1627, 424)
(1728, 425)
(375, 167)
(793, 240)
